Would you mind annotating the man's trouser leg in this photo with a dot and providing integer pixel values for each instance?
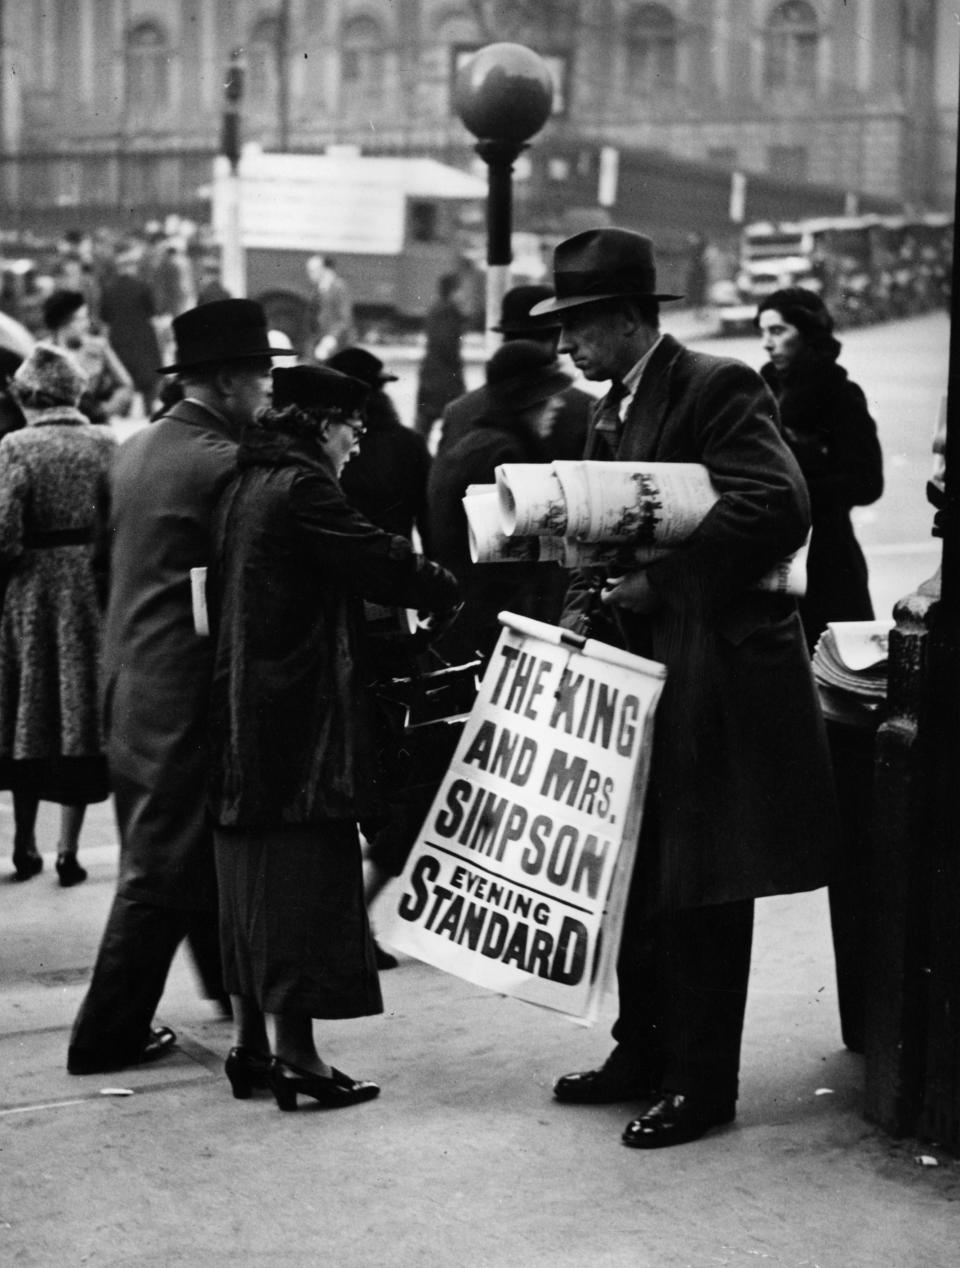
(129, 976)
(683, 989)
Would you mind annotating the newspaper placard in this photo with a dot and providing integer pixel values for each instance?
(524, 857)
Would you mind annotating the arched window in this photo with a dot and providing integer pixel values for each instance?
(362, 65)
(262, 51)
(651, 49)
(148, 70)
(792, 38)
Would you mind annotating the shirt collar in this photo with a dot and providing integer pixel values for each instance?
(631, 380)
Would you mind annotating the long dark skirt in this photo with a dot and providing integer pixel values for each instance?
(293, 923)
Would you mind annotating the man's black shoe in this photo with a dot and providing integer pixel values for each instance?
(160, 1041)
(674, 1120)
(605, 1086)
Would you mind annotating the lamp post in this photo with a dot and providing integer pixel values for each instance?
(503, 95)
(233, 268)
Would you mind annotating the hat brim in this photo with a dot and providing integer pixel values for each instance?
(526, 395)
(557, 305)
(524, 327)
(261, 355)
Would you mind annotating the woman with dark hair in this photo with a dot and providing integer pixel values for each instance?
(293, 747)
(828, 427)
(54, 499)
(109, 389)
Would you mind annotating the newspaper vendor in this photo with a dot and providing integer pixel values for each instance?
(740, 803)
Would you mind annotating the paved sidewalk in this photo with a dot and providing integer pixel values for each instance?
(465, 1159)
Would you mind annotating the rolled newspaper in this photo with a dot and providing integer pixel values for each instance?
(532, 502)
(488, 542)
(642, 502)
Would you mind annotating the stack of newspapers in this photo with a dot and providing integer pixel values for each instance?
(850, 668)
(613, 514)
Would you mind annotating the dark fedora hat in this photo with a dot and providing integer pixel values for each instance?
(317, 387)
(225, 330)
(602, 264)
(515, 308)
(362, 365)
(522, 373)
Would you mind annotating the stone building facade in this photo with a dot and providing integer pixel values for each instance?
(120, 101)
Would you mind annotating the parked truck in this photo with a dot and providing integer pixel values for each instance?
(393, 226)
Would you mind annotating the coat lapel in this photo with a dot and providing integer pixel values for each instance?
(647, 412)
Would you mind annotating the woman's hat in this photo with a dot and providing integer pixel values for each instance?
(799, 307)
(601, 264)
(521, 374)
(515, 316)
(51, 377)
(224, 330)
(316, 387)
(362, 365)
(59, 307)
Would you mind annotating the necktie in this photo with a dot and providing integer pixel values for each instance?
(609, 424)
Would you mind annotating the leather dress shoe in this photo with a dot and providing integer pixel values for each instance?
(332, 1092)
(605, 1086)
(247, 1070)
(160, 1041)
(675, 1119)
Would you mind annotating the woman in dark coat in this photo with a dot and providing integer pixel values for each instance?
(523, 384)
(827, 424)
(292, 757)
(54, 475)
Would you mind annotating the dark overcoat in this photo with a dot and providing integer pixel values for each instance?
(529, 589)
(167, 480)
(291, 712)
(829, 429)
(741, 801)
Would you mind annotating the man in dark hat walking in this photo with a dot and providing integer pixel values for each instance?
(740, 800)
(569, 430)
(165, 484)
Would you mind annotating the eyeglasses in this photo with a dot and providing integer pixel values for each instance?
(356, 426)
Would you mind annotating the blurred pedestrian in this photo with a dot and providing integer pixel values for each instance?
(331, 309)
(740, 799)
(127, 308)
(293, 763)
(441, 370)
(109, 390)
(386, 479)
(54, 478)
(827, 424)
(568, 434)
(523, 385)
(211, 288)
(157, 671)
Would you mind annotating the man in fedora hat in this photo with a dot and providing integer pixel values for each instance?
(569, 431)
(740, 802)
(156, 670)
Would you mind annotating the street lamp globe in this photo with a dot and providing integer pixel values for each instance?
(504, 91)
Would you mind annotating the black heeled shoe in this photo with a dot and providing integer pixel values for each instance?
(333, 1092)
(27, 863)
(246, 1070)
(70, 871)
